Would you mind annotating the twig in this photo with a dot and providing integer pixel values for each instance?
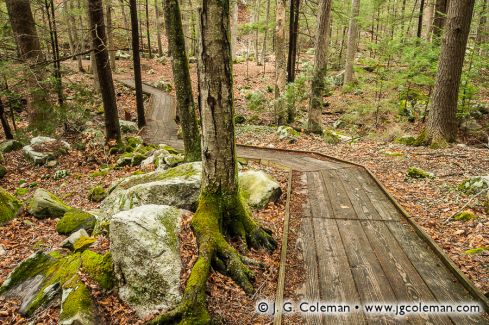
(466, 204)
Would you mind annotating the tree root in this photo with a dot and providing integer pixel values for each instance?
(214, 214)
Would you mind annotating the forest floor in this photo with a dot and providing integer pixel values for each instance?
(432, 201)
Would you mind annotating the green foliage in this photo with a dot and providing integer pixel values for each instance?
(255, 100)
(415, 172)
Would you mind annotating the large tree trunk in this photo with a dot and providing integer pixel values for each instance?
(481, 29)
(99, 39)
(221, 211)
(133, 10)
(29, 48)
(428, 19)
(181, 77)
(78, 42)
(110, 34)
(320, 65)
(420, 19)
(352, 41)
(441, 127)
(280, 64)
(441, 7)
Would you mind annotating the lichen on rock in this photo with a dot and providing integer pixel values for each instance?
(74, 220)
(258, 188)
(47, 205)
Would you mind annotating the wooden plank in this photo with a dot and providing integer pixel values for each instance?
(310, 267)
(379, 200)
(361, 203)
(337, 284)
(442, 283)
(318, 198)
(371, 282)
(341, 204)
(407, 284)
(321, 163)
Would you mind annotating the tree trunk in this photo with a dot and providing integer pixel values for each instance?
(234, 27)
(77, 40)
(280, 65)
(441, 127)
(99, 39)
(320, 65)
(133, 10)
(293, 34)
(481, 29)
(441, 7)
(352, 41)
(257, 33)
(420, 19)
(5, 125)
(158, 29)
(126, 23)
(181, 77)
(428, 19)
(148, 30)
(264, 49)
(29, 47)
(49, 5)
(110, 34)
(221, 211)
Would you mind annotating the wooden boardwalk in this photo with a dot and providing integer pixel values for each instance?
(358, 246)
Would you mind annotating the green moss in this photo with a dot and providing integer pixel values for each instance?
(83, 243)
(170, 149)
(3, 171)
(406, 140)
(20, 191)
(392, 153)
(97, 194)
(45, 205)
(74, 220)
(415, 172)
(478, 250)
(9, 206)
(101, 172)
(99, 267)
(77, 301)
(465, 216)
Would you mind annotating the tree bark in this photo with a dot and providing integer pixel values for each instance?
(441, 7)
(99, 39)
(352, 41)
(5, 125)
(181, 77)
(234, 27)
(481, 29)
(158, 29)
(29, 48)
(320, 65)
(257, 33)
(221, 211)
(110, 34)
(441, 127)
(78, 42)
(428, 19)
(148, 30)
(293, 34)
(280, 65)
(126, 23)
(420, 19)
(264, 49)
(133, 10)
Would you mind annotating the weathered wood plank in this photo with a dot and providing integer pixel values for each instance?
(318, 198)
(341, 205)
(361, 203)
(371, 282)
(405, 280)
(442, 283)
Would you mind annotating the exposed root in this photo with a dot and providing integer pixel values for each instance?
(215, 215)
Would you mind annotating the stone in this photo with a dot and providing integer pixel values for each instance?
(145, 252)
(163, 85)
(474, 185)
(46, 205)
(122, 55)
(286, 132)
(44, 149)
(9, 206)
(83, 243)
(10, 145)
(471, 125)
(73, 238)
(60, 174)
(415, 172)
(259, 188)
(178, 186)
(74, 220)
(93, 135)
(128, 126)
(97, 194)
(407, 140)
(334, 137)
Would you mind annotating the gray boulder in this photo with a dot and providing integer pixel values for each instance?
(145, 252)
(46, 205)
(178, 186)
(259, 188)
(128, 126)
(10, 145)
(44, 149)
(474, 185)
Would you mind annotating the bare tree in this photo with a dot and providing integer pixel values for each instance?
(352, 41)
(280, 64)
(138, 84)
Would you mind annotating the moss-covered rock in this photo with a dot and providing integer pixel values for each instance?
(47, 205)
(77, 305)
(465, 216)
(128, 126)
(9, 206)
(97, 194)
(415, 172)
(407, 140)
(10, 145)
(74, 220)
(286, 132)
(69, 242)
(258, 188)
(334, 137)
(3, 171)
(99, 267)
(43, 149)
(474, 185)
(83, 243)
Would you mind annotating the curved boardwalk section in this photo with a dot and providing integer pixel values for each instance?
(357, 246)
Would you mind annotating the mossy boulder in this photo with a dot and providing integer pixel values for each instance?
(259, 188)
(407, 140)
(47, 205)
(43, 149)
(97, 194)
(415, 172)
(286, 133)
(178, 186)
(334, 137)
(10, 145)
(99, 267)
(465, 216)
(9, 206)
(74, 220)
(69, 242)
(128, 126)
(474, 185)
(83, 243)
(3, 171)
(147, 235)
